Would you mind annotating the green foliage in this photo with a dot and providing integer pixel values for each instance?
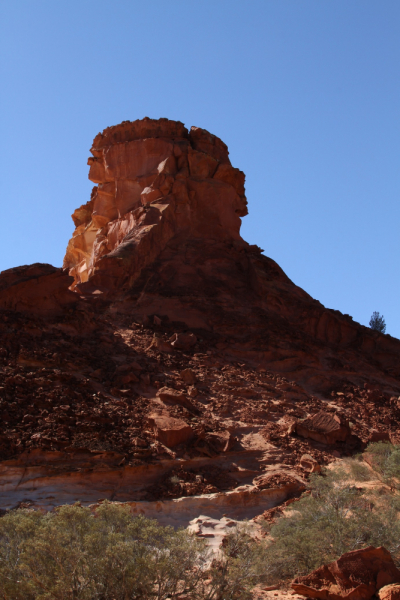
(358, 470)
(333, 518)
(73, 555)
(240, 567)
(16, 530)
(377, 322)
(386, 460)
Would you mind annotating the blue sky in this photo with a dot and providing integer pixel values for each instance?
(306, 93)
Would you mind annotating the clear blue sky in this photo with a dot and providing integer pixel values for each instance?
(306, 93)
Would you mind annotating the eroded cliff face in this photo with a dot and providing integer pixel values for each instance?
(171, 364)
(160, 236)
(155, 181)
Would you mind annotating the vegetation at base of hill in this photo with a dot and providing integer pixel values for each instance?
(75, 554)
(71, 554)
(345, 509)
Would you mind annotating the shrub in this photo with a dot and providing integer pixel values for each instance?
(358, 470)
(73, 555)
(386, 461)
(240, 566)
(377, 322)
(334, 518)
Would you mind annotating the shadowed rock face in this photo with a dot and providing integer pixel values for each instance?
(40, 288)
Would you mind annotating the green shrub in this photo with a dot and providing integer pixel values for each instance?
(240, 566)
(358, 470)
(386, 460)
(333, 518)
(73, 555)
(377, 322)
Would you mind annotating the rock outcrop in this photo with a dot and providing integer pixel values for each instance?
(156, 182)
(172, 359)
(39, 288)
(390, 592)
(160, 239)
(356, 575)
(325, 428)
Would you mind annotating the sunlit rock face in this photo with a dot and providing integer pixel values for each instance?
(155, 181)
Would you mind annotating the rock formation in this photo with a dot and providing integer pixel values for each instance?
(356, 575)
(390, 592)
(160, 235)
(171, 360)
(325, 428)
(158, 185)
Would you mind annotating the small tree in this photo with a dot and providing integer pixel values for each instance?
(377, 322)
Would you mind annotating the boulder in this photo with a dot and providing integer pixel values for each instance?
(324, 427)
(183, 341)
(188, 376)
(356, 575)
(171, 396)
(310, 464)
(170, 431)
(221, 441)
(379, 436)
(279, 480)
(390, 592)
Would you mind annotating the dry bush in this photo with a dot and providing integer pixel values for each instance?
(358, 470)
(72, 554)
(333, 518)
(386, 461)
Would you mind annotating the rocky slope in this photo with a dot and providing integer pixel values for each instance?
(171, 364)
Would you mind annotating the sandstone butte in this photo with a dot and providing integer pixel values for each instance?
(170, 364)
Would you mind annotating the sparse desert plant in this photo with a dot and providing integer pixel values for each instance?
(358, 470)
(385, 458)
(240, 565)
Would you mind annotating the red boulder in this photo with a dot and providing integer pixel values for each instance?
(356, 575)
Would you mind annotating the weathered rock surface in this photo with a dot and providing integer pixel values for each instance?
(390, 592)
(160, 235)
(325, 428)
(182, 362)
(309, 463)
(170, 431)
(356, 575)
(40, 288)
(155, 181)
